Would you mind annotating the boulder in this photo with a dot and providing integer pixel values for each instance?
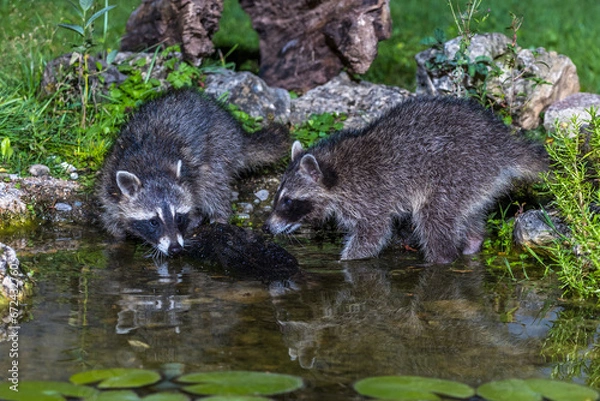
(525, 82)
(537, 228)
(361, 101)
(250, 93)
(573, 106)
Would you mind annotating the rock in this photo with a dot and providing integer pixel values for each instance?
(63, 207)
(12, 280)
(251, 94)
(532, 229)
(262, 195)
(528, 81)
(59, 71)
(191, 23)
(39, 170)
(361, 101)
(573, 106)
(10, 200)
(306, 43)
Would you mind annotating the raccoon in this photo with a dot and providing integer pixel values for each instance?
(437, 162)
(172, 164)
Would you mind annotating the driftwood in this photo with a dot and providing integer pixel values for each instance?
(305, 43)
(190, 23)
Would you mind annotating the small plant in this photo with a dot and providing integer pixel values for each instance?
(573, 182)
(318, 126)
(86, 29)
(6, 150)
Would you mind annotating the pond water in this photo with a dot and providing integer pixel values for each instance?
(97, 306)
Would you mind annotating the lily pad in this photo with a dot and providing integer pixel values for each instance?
(560, 391)
(408, 388)
(117, 378)
(235, 398)
(44, 391)
(508, 390)
(534, 390)
(240, 383)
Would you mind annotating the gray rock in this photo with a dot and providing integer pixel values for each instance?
(39, 170)
(361, 101)
(529, 81)
(11, 277)
(262, 195)
(10, 200)
(573, 106)
(533, 230)
(251, 94)
(63, 207)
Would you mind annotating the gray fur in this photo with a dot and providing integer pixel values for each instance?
(177, 155)
(440, 162)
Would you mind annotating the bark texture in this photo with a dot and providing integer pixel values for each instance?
(190, 23)
(305, 43)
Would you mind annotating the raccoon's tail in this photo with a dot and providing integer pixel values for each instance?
(267, 145)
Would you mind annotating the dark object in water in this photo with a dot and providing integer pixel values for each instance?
(241, 253)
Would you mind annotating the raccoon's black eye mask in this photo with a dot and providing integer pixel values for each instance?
(150, 226)
(293, 209)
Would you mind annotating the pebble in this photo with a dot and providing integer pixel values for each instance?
(74, 176)
(69, 168)
(39, 170)
(263, 195)
(246, 207)
(63, 207)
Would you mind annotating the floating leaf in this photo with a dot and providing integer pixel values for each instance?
(44, 391)
(560, 391)
(116, 395)
(240, 383)
(117, 378)
(508, 390)
(411, 388)
(167, 397)
(235, 398)
(535, 389)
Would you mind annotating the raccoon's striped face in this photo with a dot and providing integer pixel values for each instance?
(164, 229)
(157, 211)
(288, 213)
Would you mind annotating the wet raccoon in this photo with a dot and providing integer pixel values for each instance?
(172, 164)
(440, 163)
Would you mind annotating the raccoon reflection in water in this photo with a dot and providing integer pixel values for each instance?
(172, 164)
(441, 161)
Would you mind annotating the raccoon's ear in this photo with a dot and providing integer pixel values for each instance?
(128, 183)
(310, 166)
(296, 149)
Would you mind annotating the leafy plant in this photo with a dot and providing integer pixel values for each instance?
(575, 154)
(86, 29)
(318, 126)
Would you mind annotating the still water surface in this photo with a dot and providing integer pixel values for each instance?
(95, 307)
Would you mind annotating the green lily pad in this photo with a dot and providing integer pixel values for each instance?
(166, 397)
(555, 390)
(408, 388)
(117, 378)
(235, 398)
(115, 395)
(240, 383)
(44, 391)
(534, 390)
(508, 390)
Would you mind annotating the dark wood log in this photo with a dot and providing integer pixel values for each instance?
(190, 23)
(305, 43)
